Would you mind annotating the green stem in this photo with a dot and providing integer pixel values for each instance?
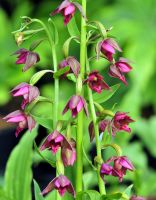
(96, 129)
(59, 164)
(79, 136)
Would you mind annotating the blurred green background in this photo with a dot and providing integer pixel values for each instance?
(134, 25)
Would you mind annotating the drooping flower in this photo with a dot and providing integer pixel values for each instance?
(137, 198)
(22, 120)
(108, 48)
(96, 82)
(67, 9)
(102, 127)
(76, 103)
(62, 184)
(53, 142)
(106, 169)
(118, 69)
(28, 92)
(120, 122)
(26, 57)
(72, 63)
(68, 154)
(120, 165)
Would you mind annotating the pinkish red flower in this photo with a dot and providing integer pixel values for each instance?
(62, 184)
(67, 9)
(22, 120)
(108, 48)
(106, 169)
(120, 122)
(102, 127)
(118, 69)
(53, 142)
(96, 82)
(28, 92)
(76, 103)
(72, 63)
(68, 154)
(26, 57)
(120, 165)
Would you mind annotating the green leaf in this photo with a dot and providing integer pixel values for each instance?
(114, 196)
(127, 191)
(53, 164)
(72, 28)
(67, 45)
(36, 77)
(37, 191)
(106, 94)
(71, 77)
(88, 195)
(35, 44)
(100, 27)
(18, 174)
(54, 31)
(61, 72)
(43, 121)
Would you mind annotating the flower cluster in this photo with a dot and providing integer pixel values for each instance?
(60, 139)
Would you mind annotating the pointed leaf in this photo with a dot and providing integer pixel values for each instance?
(36, 77)
(60, 72)
(18, 175)
(72, 28)
(37, 191)
(54, 31)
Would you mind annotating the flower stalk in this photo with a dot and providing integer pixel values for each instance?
(96, 129)
(79, 137)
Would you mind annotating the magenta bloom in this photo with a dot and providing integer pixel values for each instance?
(61, 184)
(26, 57)
(106, 169)
(76, 104)
(96, 82)
(108, 47)
(28, 92)
(137, 198)
(22, 120)
(120, 122)
(102, 127)
(121, 165)
(118, 69)
(68, 154)
(53, 142)
(67, 9)
(72, 63)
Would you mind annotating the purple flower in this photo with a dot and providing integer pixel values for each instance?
(121, 165)
(137, 198)
(72, 63)
(120, 122)
(96, 82)
(106, 169)
(68, 154)
(53, 142)
(108, 47)
(118, 69)
(67, 9)
(23, 121)
(102, 126)
(26, 57)
(61, 184)
(28, 92)
(76, 103)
